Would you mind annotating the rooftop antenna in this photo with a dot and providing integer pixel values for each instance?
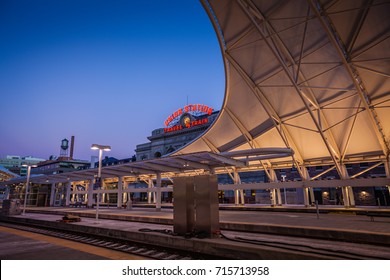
(187, 99)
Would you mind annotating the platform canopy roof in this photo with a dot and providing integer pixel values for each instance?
(178, 165)
(310, 75)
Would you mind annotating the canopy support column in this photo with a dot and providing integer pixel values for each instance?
(151, 195)
(73, 197)
(68, 190)
(238, 194)
(89, 187)
(158, 191)
(52, 194)
(306, 196)
(120, 192)
(278, 197)
(273, 192)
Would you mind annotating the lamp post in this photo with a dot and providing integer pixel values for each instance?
(101, 148)
(27, 185)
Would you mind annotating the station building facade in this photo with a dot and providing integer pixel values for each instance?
(181, 127)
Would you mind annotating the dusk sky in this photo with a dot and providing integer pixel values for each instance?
(107, 72)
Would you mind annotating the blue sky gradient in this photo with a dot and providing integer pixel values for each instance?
(107, 72)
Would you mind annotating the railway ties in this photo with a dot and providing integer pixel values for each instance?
(143, 250)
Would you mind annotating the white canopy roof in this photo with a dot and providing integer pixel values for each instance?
(179, 165)
(313, 76)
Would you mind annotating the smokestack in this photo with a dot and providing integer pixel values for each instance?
(71, 147)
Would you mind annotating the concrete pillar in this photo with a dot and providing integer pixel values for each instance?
(387, 168)
(312, 198)
(348, 197)
(89, 186)
(242, 196)
(158, 192)
(151, 195)
(104, 195)
(306, 197)
(387, 203)
(351, 196)
(236, 197)
(238, 194)
(345, 197)
(68, 190)
(125, 194)
(120, 192)
(73, 196)
(272, 196)
(52, 194)
(272, 193)
(308, 193)
(278, 197)
(84, 196)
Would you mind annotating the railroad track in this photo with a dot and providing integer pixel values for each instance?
(314, 249)
(150, 251)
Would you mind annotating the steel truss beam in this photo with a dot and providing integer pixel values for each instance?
(322, 173)
(211, 146)
(262, 99)
(366, 170)
(308, 100)
(242, 128)
(353, 74)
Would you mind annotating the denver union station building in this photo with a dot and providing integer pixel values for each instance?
(306, 115)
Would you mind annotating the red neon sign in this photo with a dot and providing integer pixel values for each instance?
(200, 108)
(180, 127)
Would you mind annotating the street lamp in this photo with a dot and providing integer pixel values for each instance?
(27, 184)
(101, 148)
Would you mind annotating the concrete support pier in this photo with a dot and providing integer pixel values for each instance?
(196, 205)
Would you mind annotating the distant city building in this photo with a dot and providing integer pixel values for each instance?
(181, 127)
(15, 163)
(60, 165)
(63, 163)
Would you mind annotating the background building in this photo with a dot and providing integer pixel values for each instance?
(15, 163)
(64, 163)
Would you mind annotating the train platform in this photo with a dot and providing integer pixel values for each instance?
(351, 228)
